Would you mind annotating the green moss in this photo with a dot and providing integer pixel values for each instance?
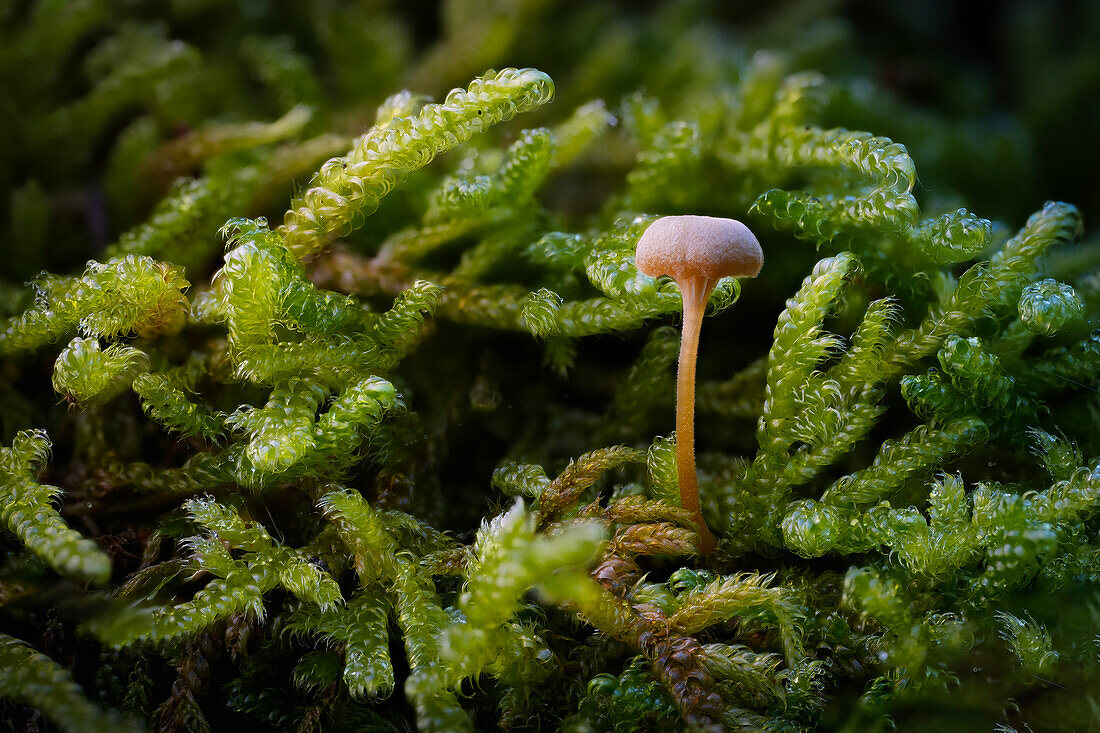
(404, 458)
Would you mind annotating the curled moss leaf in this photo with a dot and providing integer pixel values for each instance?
(91, 376)
(349, 188)
(1048, 306)
(131, 294)
(27, 512)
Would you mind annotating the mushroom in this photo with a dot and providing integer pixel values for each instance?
(696, 251)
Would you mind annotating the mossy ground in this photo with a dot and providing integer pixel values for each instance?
(383, 442)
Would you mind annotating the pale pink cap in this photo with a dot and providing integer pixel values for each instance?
(698, 246)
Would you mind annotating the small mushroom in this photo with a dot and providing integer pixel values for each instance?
(696, 251)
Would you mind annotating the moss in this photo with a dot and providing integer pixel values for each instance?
(403, 458)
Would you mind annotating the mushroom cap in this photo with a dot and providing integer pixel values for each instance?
(698, 246)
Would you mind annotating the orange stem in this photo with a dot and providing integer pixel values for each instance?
(695, 292)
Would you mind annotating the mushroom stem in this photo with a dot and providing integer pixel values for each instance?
(695, 292)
